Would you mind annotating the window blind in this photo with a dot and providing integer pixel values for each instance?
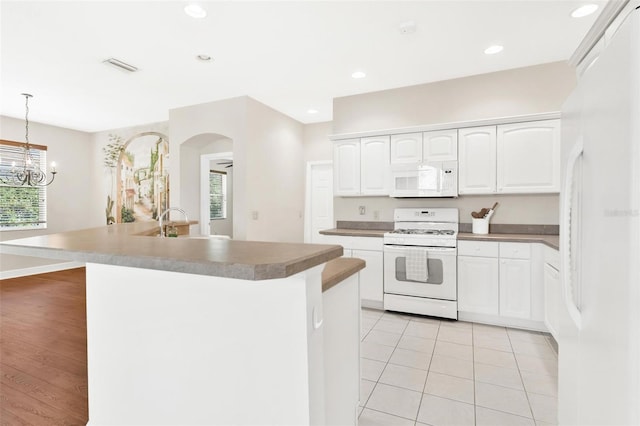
(21, 207)
(217, 195)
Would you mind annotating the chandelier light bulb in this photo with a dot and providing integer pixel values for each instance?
(53, 166)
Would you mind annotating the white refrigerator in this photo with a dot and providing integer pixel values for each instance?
(599, 331)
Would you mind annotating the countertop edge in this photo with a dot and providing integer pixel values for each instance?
(546, 239)
(338, 270)
(253, 271)
(375, 233)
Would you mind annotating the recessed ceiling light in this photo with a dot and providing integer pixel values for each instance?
(359, 74)
(203, 58)
(584, 10)
(493, 49)
(195, 10)
(312, 111)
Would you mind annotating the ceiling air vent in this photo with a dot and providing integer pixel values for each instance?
(120, 65)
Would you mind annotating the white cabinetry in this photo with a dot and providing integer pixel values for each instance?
(529, 157)
(361, 166)
(406, 148)
(478, 278)
(477, 160)
(346, 167)
(515, 280)
(510, 158)
(368, 249)
(552, 291)
(497, 284)
(440, 145)
(374, 165)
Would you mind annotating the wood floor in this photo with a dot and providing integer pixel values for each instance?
(43, 344)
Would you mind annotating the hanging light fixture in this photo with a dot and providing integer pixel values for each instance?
(29, 172)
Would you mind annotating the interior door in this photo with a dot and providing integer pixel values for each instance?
(319, 214)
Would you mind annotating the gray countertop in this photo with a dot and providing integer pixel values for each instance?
(549, 240)
(126, 245)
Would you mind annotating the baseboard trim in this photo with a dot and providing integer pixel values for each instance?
(502, 321)
(44, 269)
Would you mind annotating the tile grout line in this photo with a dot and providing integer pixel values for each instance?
(473, 367)
(433, 351)
(526, 394)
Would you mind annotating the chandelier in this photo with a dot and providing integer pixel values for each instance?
(29, 172)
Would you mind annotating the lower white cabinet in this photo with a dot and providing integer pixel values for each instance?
(371, 285)
(478, 284)
(552, 291)
(515, 288)
(368, 249)
(495, 284)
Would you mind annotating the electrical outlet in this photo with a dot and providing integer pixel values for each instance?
(362, 210)
(254, 215)
(376, 215)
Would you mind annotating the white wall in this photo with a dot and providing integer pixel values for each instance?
(275, 175)
(268, 164)
(529, 90)
(317, 146)
(71, 201)
(227, 118)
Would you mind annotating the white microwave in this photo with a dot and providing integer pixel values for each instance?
(428, 179)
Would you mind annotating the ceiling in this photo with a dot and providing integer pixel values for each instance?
(293, 56)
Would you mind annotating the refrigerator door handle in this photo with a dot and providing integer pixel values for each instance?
(565, 236)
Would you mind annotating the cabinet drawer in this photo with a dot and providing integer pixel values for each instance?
(515, 250)
(478, 248)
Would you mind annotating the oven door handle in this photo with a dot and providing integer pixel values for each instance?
(443, 250)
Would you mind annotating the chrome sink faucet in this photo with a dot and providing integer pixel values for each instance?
(167, 211)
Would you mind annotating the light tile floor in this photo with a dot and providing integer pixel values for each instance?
(423, 371)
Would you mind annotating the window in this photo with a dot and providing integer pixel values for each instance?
(217, 195)
(22, 207)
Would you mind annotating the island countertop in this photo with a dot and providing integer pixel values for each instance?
(129, 245)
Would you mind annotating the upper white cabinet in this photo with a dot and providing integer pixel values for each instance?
(374, 166)
(529, 157)
(440, 145)
(361, 166)
(406, 148)
(477, 160)
(510, 158)
(346, 167)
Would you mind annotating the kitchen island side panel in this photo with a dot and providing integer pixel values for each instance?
(174, 348)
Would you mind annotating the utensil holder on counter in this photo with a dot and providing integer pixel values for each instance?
(480, 226)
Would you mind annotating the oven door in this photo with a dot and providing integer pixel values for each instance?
(442, 266)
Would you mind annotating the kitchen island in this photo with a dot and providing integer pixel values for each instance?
(202, 331)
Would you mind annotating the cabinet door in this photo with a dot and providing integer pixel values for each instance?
(374, 165)
(515, 288)
(346, 167)
(440, 145)
(371, 276)
(406, 148)
(529, 157)
(552, 298)
(478, 285)
(477, 160)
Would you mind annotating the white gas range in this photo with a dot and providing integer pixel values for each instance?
(420, 262)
